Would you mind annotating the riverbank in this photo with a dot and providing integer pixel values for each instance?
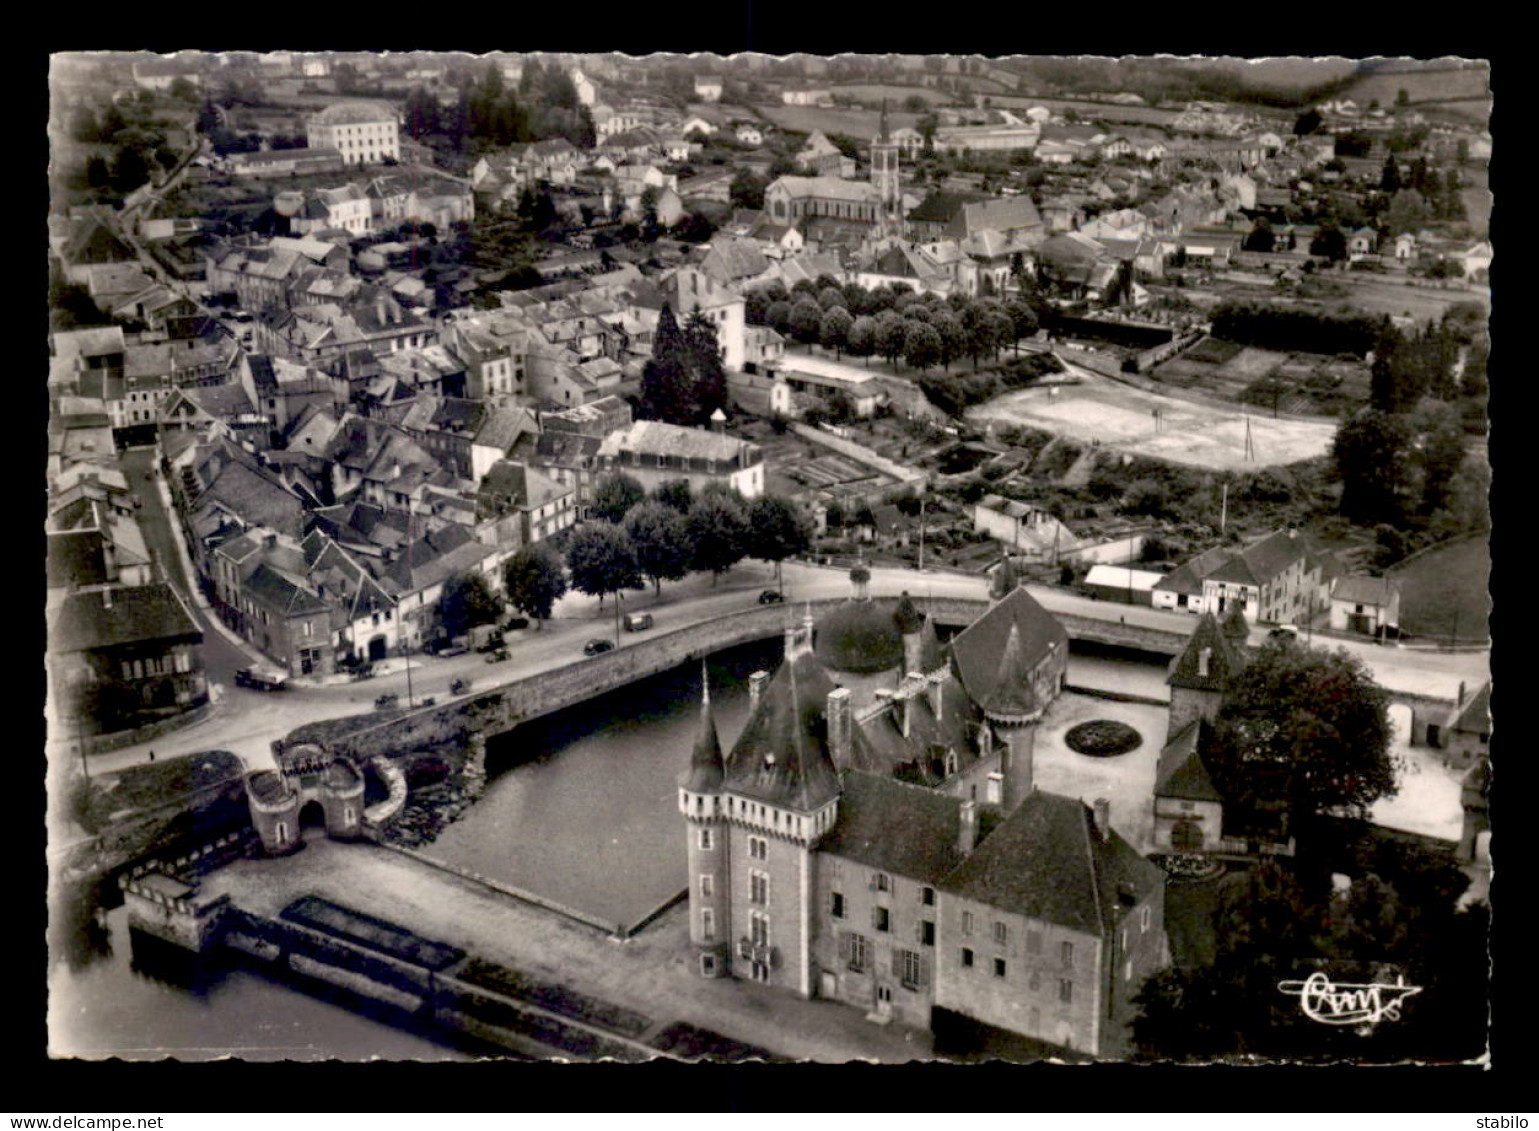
(652, 973)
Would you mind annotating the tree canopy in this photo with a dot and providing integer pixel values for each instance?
(777, 529)
(614, 494)
(535, 580)
(660, 539)
(467, 600)
(718, 531)
(1305, 728)
(601, 560)
(684, 382)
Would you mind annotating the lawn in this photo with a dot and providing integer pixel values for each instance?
(1445, 593)
(861, 124)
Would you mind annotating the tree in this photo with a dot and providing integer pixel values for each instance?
(1306, 728)
(718, 531)
(997, 329)
(657, 532)
(953, 338)
(1389, 177)
(674, 493)
(601, 561)
(1307, 123)
(468, 600)
(831, 296)
(182, 89)
(778, 315)
(806, 320)
(834, 329)
(614, 494)
(921, 345)
(1402, 97)
(1440, 451)
(131, 170)
(1261, 237)
(1371, 453)
(861, 339)
(1407, 212)
(535, 580)
(1329, 243)
(747, 190)
(777, 529)
(891, 334)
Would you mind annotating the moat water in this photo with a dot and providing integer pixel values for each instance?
(580, 809)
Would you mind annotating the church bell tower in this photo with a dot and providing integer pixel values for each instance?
(884, 178)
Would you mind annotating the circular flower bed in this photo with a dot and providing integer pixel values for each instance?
(1192, 868)
(1103, 738)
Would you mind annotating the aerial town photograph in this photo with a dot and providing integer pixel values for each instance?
(735, 558)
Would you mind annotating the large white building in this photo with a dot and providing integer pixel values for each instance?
(364, 133)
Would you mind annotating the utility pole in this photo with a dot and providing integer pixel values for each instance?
(1223, 510)
(921, 532)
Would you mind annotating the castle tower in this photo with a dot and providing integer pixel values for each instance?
(778, 795)
(1013, 710)
(884, 176)
(910, 623)
(710, 880)
(1200, 675)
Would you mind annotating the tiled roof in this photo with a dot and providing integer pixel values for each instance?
(1046, 861)
(1182, 773)
(653, 437)
(1225, 660)
(829, 188)
(1261, 561)
(1188, 576)
(906, 830)
(978, 648)
(346, 113)
(1475, 716)
(144, 612)
(782, 755)
(1364, 590)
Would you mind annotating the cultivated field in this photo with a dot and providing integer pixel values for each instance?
(896, 94)
(1424, 303)
(1422, 86)
(1446, 593)
(852, 123)
(1296, 383)
(1104, 111)
(1104, 411)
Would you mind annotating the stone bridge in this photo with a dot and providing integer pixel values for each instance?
(490, 711)
(493, 710)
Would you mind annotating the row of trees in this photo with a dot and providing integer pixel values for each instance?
(1271, 327)
(634, 538)
(894, 322)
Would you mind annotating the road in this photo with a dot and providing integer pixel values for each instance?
(248, 721)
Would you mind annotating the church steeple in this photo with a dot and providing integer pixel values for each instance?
(884, 178)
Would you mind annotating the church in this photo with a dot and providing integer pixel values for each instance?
(874, 837)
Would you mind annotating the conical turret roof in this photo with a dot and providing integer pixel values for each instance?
(1225, 660)
(907, 615)
(706, 766)
(1236, 627)
(1012, 698)
(782, 756)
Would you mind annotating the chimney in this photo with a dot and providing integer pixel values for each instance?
(270, 540)
(756, 684)
(967, 827)
(107, 597)
(1102, 818)
(934, 684)
(1461, 693)
(719, 422)
(841, 726)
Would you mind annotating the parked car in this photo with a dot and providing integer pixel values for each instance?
(771, 597)
(1284, 632)
(496, 657)
(261, 679)
(638, 622)
(594, 647)
(454, 649)
(516, 623)
(386, 701)
(459, 687)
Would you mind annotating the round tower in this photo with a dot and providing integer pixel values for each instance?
(1013, 709)
(700, 801)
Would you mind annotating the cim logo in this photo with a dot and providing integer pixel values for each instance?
(1349, 1003)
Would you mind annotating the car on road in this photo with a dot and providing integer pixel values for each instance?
(497, 656)
(386, 701)
(1284, 632)
(261, 679)
(594, 647)
(638, 622)
(771, 597)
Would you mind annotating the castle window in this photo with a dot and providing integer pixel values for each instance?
(859, 952)
(758, 848)
(927, 896)
(1001, 934)
(759, 925)
(708, 925)
(999, 967)
(967, 957)
(705, 839)
(1066, 951)
(927, 932)
(836, 904)
(967, 922)
(1065, 990)
(707, 886)
(758, 888)
(881, 919)
(880, 882)
(911, 969)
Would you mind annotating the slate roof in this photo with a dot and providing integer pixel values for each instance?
(943, 207)
(433, 558)
(885, 747)
(977, 649)
(1475, 716)
(139, 613)
(1182, 773)
(1188, 576)
(887, 825)
(782, 755)
(345, 113)
(654, 437)
(1012, 698)
(1045, 861)
(706, 765)
(75, 558)
(1225, 661)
